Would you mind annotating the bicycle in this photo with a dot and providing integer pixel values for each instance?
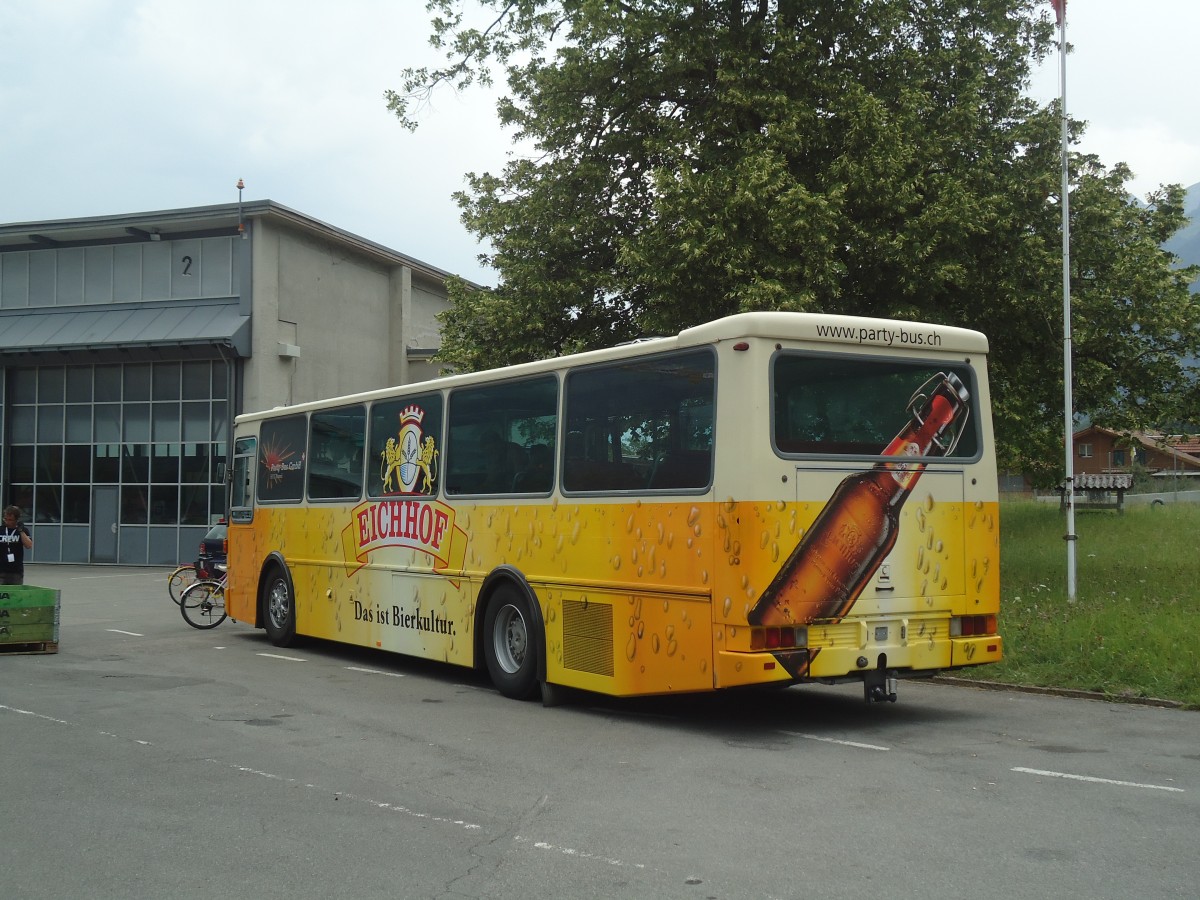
(180, 580)
(203, 603)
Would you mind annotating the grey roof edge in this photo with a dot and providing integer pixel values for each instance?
(224, 214)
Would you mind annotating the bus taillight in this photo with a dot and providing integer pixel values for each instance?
(966, 626)
(778, 638)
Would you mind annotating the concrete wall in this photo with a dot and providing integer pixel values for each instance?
(351, 317)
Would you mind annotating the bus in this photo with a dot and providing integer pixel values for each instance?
(768, 498)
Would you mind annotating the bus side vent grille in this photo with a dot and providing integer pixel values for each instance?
(588, 636)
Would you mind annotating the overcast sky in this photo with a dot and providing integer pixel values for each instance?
(117, 106)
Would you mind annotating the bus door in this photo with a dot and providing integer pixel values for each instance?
(243, 561)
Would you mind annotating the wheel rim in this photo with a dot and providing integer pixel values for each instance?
(510, 639)
(279, 605)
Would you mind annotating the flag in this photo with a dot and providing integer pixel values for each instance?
(1060, 10)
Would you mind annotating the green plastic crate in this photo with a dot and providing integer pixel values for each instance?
(29, 618)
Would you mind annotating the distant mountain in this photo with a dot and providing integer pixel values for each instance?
(1186, 244)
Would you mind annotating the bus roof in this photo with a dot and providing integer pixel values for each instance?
(847, 331)
(854, 330)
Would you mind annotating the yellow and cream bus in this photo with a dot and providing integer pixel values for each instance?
(767, 498)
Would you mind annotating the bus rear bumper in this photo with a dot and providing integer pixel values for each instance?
(975, 651)
(733, 669)
(918, 659)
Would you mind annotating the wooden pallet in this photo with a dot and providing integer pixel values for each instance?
(31, 647)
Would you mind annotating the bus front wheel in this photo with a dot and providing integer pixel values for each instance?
(508, 644)
(280, 609)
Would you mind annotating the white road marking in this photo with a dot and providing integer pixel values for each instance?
(26, 712)
(153, 575)
(581, 854)
(1089, 778)
(375, 672)
(130, 633)
(814, 737)
(342, 795)
(280, 656)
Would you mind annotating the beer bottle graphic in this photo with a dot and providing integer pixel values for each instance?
(858, 527)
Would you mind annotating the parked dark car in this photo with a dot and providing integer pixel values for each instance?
(214, 549)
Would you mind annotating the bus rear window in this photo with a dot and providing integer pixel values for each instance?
(830, 405)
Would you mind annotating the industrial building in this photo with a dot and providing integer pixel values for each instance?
(129, 343)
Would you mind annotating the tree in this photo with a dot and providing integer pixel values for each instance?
(696, 158)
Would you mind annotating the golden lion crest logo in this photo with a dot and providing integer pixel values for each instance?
(409, 457)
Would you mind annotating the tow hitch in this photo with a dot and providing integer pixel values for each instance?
(879, 685)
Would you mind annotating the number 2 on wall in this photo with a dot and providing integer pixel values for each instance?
(187, 265)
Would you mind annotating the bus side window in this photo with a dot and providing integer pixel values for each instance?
(335, 469)
(404, 454)
(489, 429)
(644, 424)
(281, 455)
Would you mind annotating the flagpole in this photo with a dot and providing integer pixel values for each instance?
(1060, 8)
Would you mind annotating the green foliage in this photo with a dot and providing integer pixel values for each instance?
(1128, 632)
(697, 158)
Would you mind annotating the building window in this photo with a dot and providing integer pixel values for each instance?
(1085, 451)
(1118, 458)
(125, 428)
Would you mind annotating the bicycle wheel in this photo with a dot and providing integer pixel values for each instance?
(179, 581)
(203, 604)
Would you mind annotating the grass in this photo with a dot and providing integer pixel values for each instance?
(1129, 631)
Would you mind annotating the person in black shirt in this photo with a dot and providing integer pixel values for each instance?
(14, 541)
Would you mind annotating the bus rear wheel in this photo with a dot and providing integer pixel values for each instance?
(280, 609)
(508, 644)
